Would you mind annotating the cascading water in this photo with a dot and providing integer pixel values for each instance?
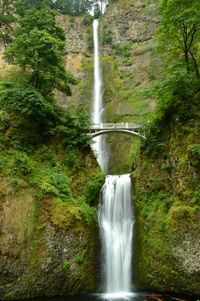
(116, 225)
(99, 145)
(115, 211)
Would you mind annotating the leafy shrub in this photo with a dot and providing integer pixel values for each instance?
(93, 188)
(194, 154)
(73, 127)
(88, 213)
(90, 42)
(28, 118)
(27, 103)
(54, 182)
(123, 49)
(66, 264)
(16, 162)
(107, 38)
(87, 20)
(81, 257)
(72, 159)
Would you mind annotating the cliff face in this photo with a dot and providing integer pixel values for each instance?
(77, 33)
(167, 211)
(130, 64)
(48, 245)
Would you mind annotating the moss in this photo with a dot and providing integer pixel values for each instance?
(66, 264)
(62, 222)
(167, 213)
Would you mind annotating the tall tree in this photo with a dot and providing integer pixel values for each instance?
(180, 29)
(38, 48)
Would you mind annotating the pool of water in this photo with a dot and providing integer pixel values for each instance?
(118, 297)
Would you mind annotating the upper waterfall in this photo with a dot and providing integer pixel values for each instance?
(97, 104)
(99, 146)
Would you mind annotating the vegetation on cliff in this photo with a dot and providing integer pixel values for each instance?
(167, 175)
(50, 181)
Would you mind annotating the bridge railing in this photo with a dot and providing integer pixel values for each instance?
(121, 125)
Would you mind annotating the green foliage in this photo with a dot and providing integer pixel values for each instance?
(16, 163)
(28, 118)
(196, 197)
(22, 6)
(135, 151)
(107, 38)
(72, 159)
(81, 257)
(27, 103)
(177, 93)
(38, 48)
(90, 42)
(97, 11)
(155, 204)
(87, 212)
(92, 189)
(195, 149)
(55, 183)
(194, 154)
(73, 7)
(87, 20)
(188, 215)
(179, 31)
(73, 127)
(177, 103)
(123, 49)
(66, 264)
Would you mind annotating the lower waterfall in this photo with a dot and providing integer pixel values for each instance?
(116, 226)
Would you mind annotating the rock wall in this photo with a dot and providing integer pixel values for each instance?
(48, 247)
(168, 210)
(76, 52)
(130, 64)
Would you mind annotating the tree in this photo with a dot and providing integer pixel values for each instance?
(97, 11)
(23, 5)
(38, 48)
(180, 29)
(7, 19)
(73, 7)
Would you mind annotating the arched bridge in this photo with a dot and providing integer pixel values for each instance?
(123, 127)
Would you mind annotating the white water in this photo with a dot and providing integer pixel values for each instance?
(116, 225)
(99, 147)
(115, 211)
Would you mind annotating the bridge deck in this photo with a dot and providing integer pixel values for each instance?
(111, 126)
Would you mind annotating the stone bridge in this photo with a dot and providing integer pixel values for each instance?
(123, 127)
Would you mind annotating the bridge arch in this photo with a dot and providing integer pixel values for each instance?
(121, 131)
(132, 129)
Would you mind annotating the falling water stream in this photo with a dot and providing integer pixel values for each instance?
(116, 225)
(99, 145)
(115, 210)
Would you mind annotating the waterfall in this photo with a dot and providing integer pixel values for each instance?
(99, 145)
(115, 211)
(116, 226)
